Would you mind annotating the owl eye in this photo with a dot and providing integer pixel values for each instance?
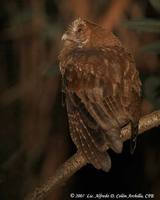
(79, 30)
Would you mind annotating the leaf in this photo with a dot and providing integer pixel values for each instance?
(152, 48)
(147, 25)
(155, 4)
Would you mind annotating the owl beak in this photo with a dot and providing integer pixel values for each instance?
(67, 37)
(64, 37)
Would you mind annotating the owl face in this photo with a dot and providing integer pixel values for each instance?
(78, 33)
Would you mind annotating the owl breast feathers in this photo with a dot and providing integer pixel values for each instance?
(102, 89)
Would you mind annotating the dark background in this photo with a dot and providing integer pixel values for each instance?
(34, 135)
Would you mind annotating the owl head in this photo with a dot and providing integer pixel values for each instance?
(82, 33)
(78, 33)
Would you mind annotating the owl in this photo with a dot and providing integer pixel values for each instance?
(102, 90)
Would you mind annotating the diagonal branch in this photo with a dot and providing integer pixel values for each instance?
(77, 161)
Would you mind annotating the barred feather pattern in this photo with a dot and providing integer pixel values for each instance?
(85, 140)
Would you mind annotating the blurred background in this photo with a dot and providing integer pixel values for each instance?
(34, 135)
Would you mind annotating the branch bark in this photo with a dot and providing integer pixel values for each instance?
(77, 161)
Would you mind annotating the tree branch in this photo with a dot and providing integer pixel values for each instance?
(77, 161)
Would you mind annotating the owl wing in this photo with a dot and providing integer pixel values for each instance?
(95, 101)
(83, 131)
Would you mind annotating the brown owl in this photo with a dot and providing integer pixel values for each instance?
(102, 89)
